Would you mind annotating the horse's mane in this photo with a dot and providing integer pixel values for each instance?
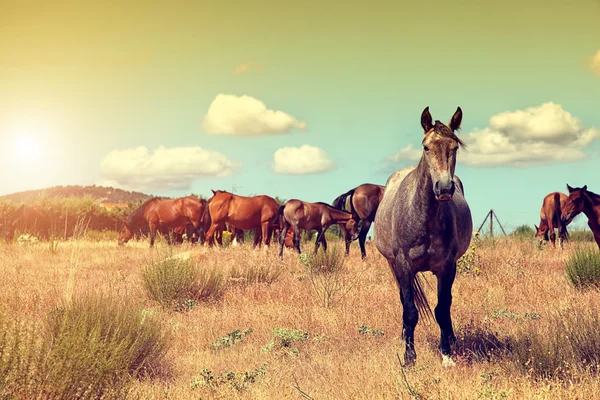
(443, 130)
(594, 197)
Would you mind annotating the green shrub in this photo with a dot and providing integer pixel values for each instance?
(178, 283)
(583, 268)
(232, 338)
(285, 338)
(523, 232)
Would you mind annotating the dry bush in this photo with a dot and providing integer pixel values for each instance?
(92, 347)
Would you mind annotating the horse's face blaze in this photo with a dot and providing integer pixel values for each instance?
(440, 154)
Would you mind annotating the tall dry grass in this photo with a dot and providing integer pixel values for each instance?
(524, 331)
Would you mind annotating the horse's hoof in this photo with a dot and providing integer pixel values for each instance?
(447, 361)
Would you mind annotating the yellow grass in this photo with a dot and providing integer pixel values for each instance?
(517, 291)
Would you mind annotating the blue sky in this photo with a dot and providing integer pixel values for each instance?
(83, 88)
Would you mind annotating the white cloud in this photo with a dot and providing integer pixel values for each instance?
(595, 63)
(535, 136)
(165, 169)
(301, 160)
(246, 116)
(408, 153)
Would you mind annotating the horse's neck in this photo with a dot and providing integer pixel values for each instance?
(592, 212)
(424, 185)
(338, 215)
(137, 218)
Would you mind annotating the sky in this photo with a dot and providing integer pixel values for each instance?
(300, 100)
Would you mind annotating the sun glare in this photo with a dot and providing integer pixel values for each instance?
(26, 148)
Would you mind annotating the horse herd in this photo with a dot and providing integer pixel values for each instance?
(422, 223)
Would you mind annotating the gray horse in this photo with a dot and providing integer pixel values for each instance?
(424, 224)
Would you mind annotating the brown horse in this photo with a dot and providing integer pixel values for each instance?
(362, 202)
(163, 215)
(424, 224)
(241, 212)
(27, 219)
(581, 200)
(299, 214)
(550, 219)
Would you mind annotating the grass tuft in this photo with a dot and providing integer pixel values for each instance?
(583, 268)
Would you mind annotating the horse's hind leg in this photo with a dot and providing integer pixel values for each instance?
(362, 237)
(410, 314)
(442, 313)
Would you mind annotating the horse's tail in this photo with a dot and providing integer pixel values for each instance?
(277, 219)
(340, 201)
(420, 299)
(558, 215)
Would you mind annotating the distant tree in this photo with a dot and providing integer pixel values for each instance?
(523, 231)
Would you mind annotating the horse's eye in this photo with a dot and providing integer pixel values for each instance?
(425, 148)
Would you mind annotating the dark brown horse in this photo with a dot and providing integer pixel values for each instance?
(27, 219)
(163, 215)
(299, 215)
(550, 219)
(581, 200)
(362, 202)
(424, 224)
(241, 212)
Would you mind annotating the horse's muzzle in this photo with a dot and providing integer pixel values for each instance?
(444, 191)
(444, 197)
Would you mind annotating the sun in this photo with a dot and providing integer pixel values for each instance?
(26, 148)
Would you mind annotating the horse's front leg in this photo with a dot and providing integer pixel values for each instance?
(284, 228)
(347, 238)
(442, 312)
(318, 240)
(323, 241)
(410, 315)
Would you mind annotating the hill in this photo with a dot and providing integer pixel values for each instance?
(105, 195)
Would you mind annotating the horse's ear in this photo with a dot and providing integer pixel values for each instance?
(584, 188)
(569, 188)
(536, 227)
(456, 120)
(213, 191)
(426, 120)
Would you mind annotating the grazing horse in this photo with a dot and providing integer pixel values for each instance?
(162, 215)
(28, 219)
(243, 213)
(550, 218)
(299, 214)
(424, 224)
(581, 200)
(362, 203)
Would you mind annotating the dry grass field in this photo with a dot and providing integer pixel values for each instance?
(252, 326)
